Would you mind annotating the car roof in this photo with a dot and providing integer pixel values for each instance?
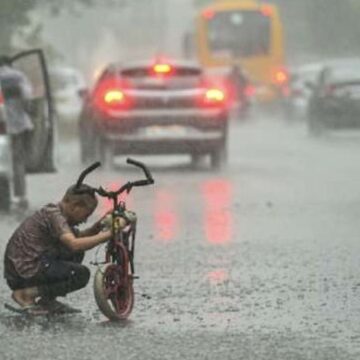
(341, 69)
(326, 62)
(344, 69)
(308, 67)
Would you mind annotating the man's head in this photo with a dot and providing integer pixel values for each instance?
(78, 204)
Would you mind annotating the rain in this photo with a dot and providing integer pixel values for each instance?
(247, 252)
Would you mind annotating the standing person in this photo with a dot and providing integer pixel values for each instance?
(17, 91)
(240, 83)
(43, 256)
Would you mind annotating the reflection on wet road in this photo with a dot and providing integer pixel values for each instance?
(217, 197)
(258, 261)
(166, 216)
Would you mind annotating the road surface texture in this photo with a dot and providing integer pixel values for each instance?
(257, 261)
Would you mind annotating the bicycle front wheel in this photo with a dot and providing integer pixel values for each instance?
(114, 292)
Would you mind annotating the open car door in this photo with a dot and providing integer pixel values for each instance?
(40, 141)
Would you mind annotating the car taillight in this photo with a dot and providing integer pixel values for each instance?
(109, 95)
(214, 97)
(114, 96)
(266, 10)
(208, 14)
(280, 77)
(162, 69)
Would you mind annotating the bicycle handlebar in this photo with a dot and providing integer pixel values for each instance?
(143, 167)
(126, 187)
(86, 172)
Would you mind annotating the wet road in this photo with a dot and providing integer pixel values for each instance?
(258, 261)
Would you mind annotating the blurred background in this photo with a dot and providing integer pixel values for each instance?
(86, 34)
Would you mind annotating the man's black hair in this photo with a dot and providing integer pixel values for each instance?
(83, 193)
(82, 189)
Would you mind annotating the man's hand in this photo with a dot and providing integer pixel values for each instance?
(96, 227)
(119, 222)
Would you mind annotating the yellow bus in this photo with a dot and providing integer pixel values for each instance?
(244, 32)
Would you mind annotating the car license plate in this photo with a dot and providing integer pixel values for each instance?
(165, 131)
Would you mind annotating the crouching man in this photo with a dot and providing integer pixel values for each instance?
(43, 256)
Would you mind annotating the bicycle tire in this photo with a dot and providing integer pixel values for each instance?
(115, 304)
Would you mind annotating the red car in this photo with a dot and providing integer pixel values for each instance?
(154, 107)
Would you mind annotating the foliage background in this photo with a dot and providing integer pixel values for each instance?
(320, 27)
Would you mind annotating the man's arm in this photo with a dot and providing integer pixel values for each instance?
(84, 243)
(90, 231)
(95, 228)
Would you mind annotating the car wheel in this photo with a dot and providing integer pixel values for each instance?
(5, 194)
(104, 153)
(84, 155)
(108, 156)
(218, 157)
(196, 159)
(87, 152)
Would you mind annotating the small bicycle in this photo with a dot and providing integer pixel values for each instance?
(113, 282)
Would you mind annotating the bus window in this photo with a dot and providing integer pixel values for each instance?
(239, 34)
(248, 33)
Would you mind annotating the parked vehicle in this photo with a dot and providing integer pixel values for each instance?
(297, 99)
(67, 84)
(154, 107)
(335, 98)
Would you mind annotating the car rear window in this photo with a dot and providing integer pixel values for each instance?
(140, 72)
(144, 78)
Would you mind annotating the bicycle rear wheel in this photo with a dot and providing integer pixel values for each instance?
(114, 292)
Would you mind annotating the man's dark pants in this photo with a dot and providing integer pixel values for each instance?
(57, 276)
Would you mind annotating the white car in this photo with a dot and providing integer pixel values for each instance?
(299, 89)
(67, 84)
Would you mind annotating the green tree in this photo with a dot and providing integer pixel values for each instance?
(14, 16)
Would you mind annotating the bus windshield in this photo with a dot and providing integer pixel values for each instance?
(239, 33)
